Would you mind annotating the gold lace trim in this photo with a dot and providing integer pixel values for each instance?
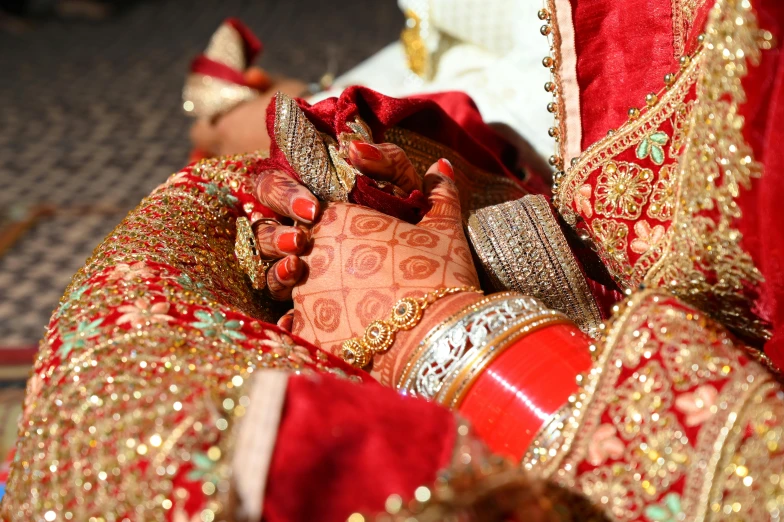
(695, 252)
(671, 400)
(683, 13)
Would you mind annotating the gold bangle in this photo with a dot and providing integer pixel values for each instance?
(380, 335)
(249, 255)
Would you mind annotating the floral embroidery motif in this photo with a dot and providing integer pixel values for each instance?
(652, 145)
(216, 325)
(582, 200)
(682, 459)
(647, 237)
(663, 195)
(612, 236)
(203, 467)
(128, 272)
(700, 258)
(668, 511)
(73, 297)
(604, 445)
(142, 313)
(698, 406)
(222, 193)
(197, 286)
(77, 339)
(622, 190)
(715, 162)
(282, 346)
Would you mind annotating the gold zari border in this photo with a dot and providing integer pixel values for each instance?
(698, 256)
(670, 400)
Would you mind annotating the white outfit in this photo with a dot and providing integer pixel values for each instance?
(490, 49)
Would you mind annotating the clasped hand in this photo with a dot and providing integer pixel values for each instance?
(345, 265)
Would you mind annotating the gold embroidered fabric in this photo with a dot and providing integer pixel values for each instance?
(658, 196)
(673, 422)
(683, 13)
(309, 152)
(522, 248)
(131, 404)
(480, 486)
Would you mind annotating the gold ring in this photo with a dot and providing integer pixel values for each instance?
(263, 221)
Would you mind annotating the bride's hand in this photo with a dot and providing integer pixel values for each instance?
(362, 261)
(281, 193)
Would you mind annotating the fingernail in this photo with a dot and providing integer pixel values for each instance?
(286, 322)
(304, 208)
(289, 242)
(368, 151)
(286, 269)
(445, 168)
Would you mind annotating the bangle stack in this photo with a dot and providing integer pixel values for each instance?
(453, 354)
(380, 335)
(521, 247)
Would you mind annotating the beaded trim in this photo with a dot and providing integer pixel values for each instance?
(522, 248)
(453, 354)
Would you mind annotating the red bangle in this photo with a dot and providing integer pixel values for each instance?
(532, 379)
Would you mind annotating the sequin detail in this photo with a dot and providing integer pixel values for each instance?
(699, 258)
(132, 402)
(670, 421)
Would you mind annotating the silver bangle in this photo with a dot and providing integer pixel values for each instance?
(453, 354)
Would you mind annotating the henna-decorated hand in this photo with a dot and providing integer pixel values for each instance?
(281, 193)
(362, 261)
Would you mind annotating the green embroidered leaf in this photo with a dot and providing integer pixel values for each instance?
(659, 137)
(657, 154)
(657, 513)
(643, 149)
(673, 502)
(202, 461)
(202, 315)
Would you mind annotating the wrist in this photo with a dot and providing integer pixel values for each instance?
(387, 370)
(446, 363)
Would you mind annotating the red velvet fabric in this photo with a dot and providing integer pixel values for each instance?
(469, 136)
(763, 236)
(624, 49)
(344, 447)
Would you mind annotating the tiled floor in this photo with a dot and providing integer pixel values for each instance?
(90, 117)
